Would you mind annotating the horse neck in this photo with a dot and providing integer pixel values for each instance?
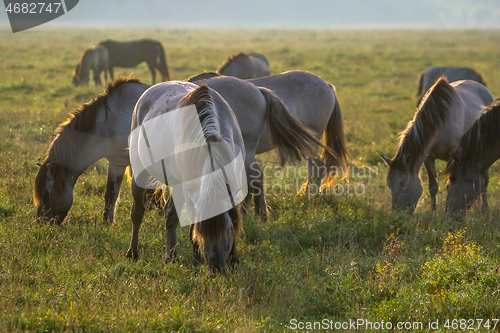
(76, 150)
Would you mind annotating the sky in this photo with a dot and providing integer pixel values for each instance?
(288, 14)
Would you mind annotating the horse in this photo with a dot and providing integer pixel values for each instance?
(314, 103)
(446, 112)
(132, 53)
(215, 236)
(253, 107)
(96, 59)
(430, 76)
(245, 66)
(98, 129)
(467, 169)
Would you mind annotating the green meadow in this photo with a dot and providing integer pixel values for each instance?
(323, 258)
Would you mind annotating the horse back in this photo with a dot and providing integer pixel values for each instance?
(131, 53)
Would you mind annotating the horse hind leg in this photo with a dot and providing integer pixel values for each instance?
(255, 180)
(115, 178)
(97, 77)
(433, 184)
(171, 222)
(153, 71)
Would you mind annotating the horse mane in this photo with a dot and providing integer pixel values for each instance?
(432, 113)
(202, 76)
(480, 139)
(83, 120)
(215, 228)
(226, 63)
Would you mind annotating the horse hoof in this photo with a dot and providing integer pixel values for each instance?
(132, 256)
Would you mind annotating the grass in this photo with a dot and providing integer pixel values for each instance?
(325, 257)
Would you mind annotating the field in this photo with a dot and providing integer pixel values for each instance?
(338, 257)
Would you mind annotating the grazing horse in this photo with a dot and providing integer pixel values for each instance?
(314, 103)
(98, 129)
(452, 74)
(96, 59)
(245, 66)
(132, 53)
(446, 112)
(467, 169)
(254, 107)
(216, 235)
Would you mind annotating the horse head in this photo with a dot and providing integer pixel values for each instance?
(405, 185)
(464, 184)
(53, 192)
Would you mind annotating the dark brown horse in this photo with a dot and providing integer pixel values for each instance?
(132, 53)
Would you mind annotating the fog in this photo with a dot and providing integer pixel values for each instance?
(281, 14)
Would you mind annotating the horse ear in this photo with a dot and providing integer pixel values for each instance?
(39, 164)
(455, 157)
(386, 160)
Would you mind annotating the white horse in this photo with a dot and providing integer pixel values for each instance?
(159, 105)
(446, 112)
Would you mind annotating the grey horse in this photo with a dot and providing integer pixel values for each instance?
(245, 66)
(467, 169)
(452, 74)
(446, 112)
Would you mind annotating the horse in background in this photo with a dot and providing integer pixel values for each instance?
(132, 53)
(452, 74)
(446, 112)
(245, 66)
(98, 129)
(95, 59)
(214, 236)
(467, 169)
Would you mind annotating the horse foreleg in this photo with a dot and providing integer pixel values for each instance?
(433, 184)
(171, 222)
(484, 190)
(97, 77)
(111, 74)
(137, 214)
(196, 248)
(153, 71)
(115, 178)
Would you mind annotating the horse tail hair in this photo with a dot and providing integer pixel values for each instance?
(217, 227)
(334, 139)
(420, 85)
(162, 63)
(292, 138)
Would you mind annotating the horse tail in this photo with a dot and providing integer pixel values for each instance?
(335, 140)
(420, 85)
(162, 63)
(214, 229)
(292, 138)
